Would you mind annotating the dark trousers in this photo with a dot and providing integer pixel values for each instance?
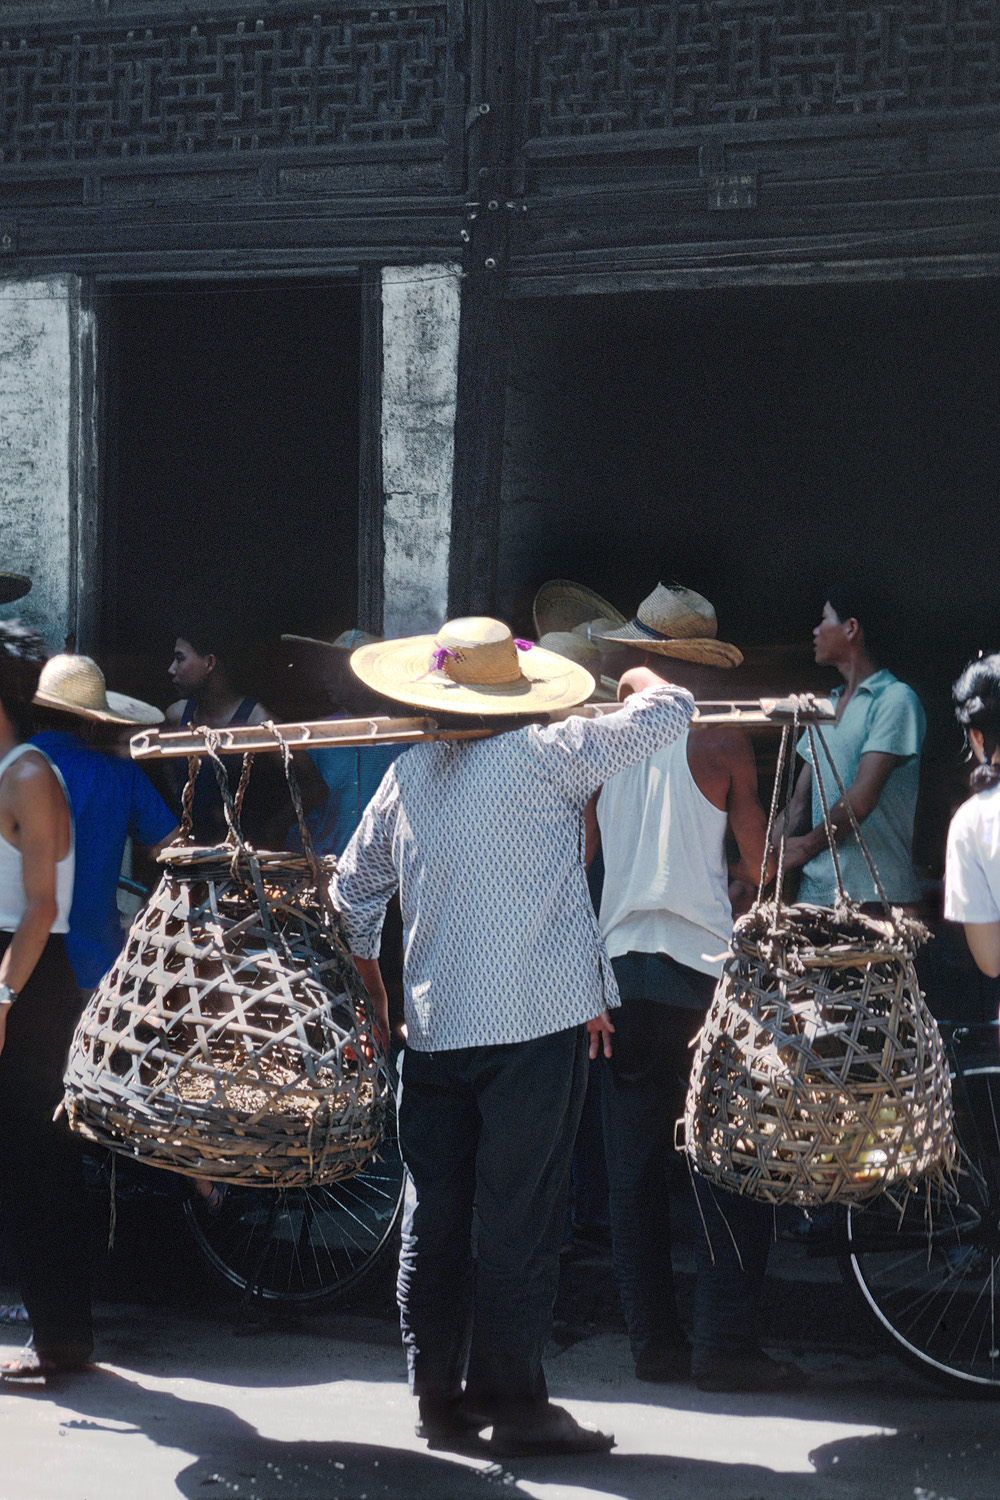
(487, 1137)
(42, 1203)
(642, 1099)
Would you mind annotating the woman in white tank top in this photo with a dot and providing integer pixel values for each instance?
(41, 1188)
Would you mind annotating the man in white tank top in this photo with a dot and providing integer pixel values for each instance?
(41, 1188)
(667, 918)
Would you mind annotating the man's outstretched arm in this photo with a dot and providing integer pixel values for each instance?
(874, 769)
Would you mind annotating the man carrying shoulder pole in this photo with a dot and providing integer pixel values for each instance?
(505, 975)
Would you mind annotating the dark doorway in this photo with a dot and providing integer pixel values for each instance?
(757, 445)
(231, 465)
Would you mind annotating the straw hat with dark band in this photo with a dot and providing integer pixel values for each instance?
(674, 621)
(75, 685)
(472, 666)
(562, 605)
(13, 586)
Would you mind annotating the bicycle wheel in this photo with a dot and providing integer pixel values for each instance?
(928, 1264)
(304, 1245)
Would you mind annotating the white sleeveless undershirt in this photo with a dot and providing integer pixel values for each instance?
(12, 897)
(666, 882)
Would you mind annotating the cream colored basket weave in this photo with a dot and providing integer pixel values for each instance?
(233, 1038)
(819, 1076)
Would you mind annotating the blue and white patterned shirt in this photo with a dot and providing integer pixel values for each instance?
(485, 840)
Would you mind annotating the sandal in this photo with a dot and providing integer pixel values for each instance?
(30, 1365)
(13, 1312)
(554, 1433)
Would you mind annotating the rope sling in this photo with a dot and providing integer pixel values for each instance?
(819, 1076)
(233, 1039)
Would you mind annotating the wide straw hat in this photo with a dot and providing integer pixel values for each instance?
(562, 605)
(675, 621)
(75, 685)
(472, 666)
(347, 640)
(13, 586)
(577, 648)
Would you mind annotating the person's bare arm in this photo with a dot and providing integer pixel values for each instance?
(984, 945)
(371, 978)
(873, 772)
(173, 713)
(794, 819)
(747, 818)
(39, 826)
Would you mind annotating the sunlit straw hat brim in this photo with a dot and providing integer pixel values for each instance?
(121, 709)
(73, 684)
(562, 604)
(401, 670)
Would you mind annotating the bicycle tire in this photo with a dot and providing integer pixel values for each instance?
(927, 1265)
(304, 1246)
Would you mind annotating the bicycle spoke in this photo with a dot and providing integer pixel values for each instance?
(324, 1240)
(937, 1300)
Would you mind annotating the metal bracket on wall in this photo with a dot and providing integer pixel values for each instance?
(732, 190)
(8, 237)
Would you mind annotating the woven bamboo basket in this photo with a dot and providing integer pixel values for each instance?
(820, 1076)
(233, 1039)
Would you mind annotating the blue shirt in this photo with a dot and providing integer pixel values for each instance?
(883, 715)
(353, 774)
(111, 800)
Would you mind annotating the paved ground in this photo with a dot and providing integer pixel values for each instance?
(190, 1401)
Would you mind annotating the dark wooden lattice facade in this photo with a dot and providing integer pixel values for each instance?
(546, 145)
(636, 135)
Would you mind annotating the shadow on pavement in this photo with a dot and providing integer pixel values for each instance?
(230, 1457)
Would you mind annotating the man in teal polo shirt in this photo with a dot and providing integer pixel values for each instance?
(875, 745)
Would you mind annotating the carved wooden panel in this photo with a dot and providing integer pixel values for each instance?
(377, 78)
(600, 67)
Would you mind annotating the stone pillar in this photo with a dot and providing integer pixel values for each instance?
(420, 323)
(43, 335)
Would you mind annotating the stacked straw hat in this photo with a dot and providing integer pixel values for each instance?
(586, 654)
(75, 685)
(563, 606)
(347, 640)
(473, 666)
(675, 621)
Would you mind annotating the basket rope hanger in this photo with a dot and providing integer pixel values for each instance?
(786, 772)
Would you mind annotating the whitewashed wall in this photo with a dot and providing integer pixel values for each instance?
(420, 315)
(37, 464)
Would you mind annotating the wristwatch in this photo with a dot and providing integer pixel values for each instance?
(7, 996)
